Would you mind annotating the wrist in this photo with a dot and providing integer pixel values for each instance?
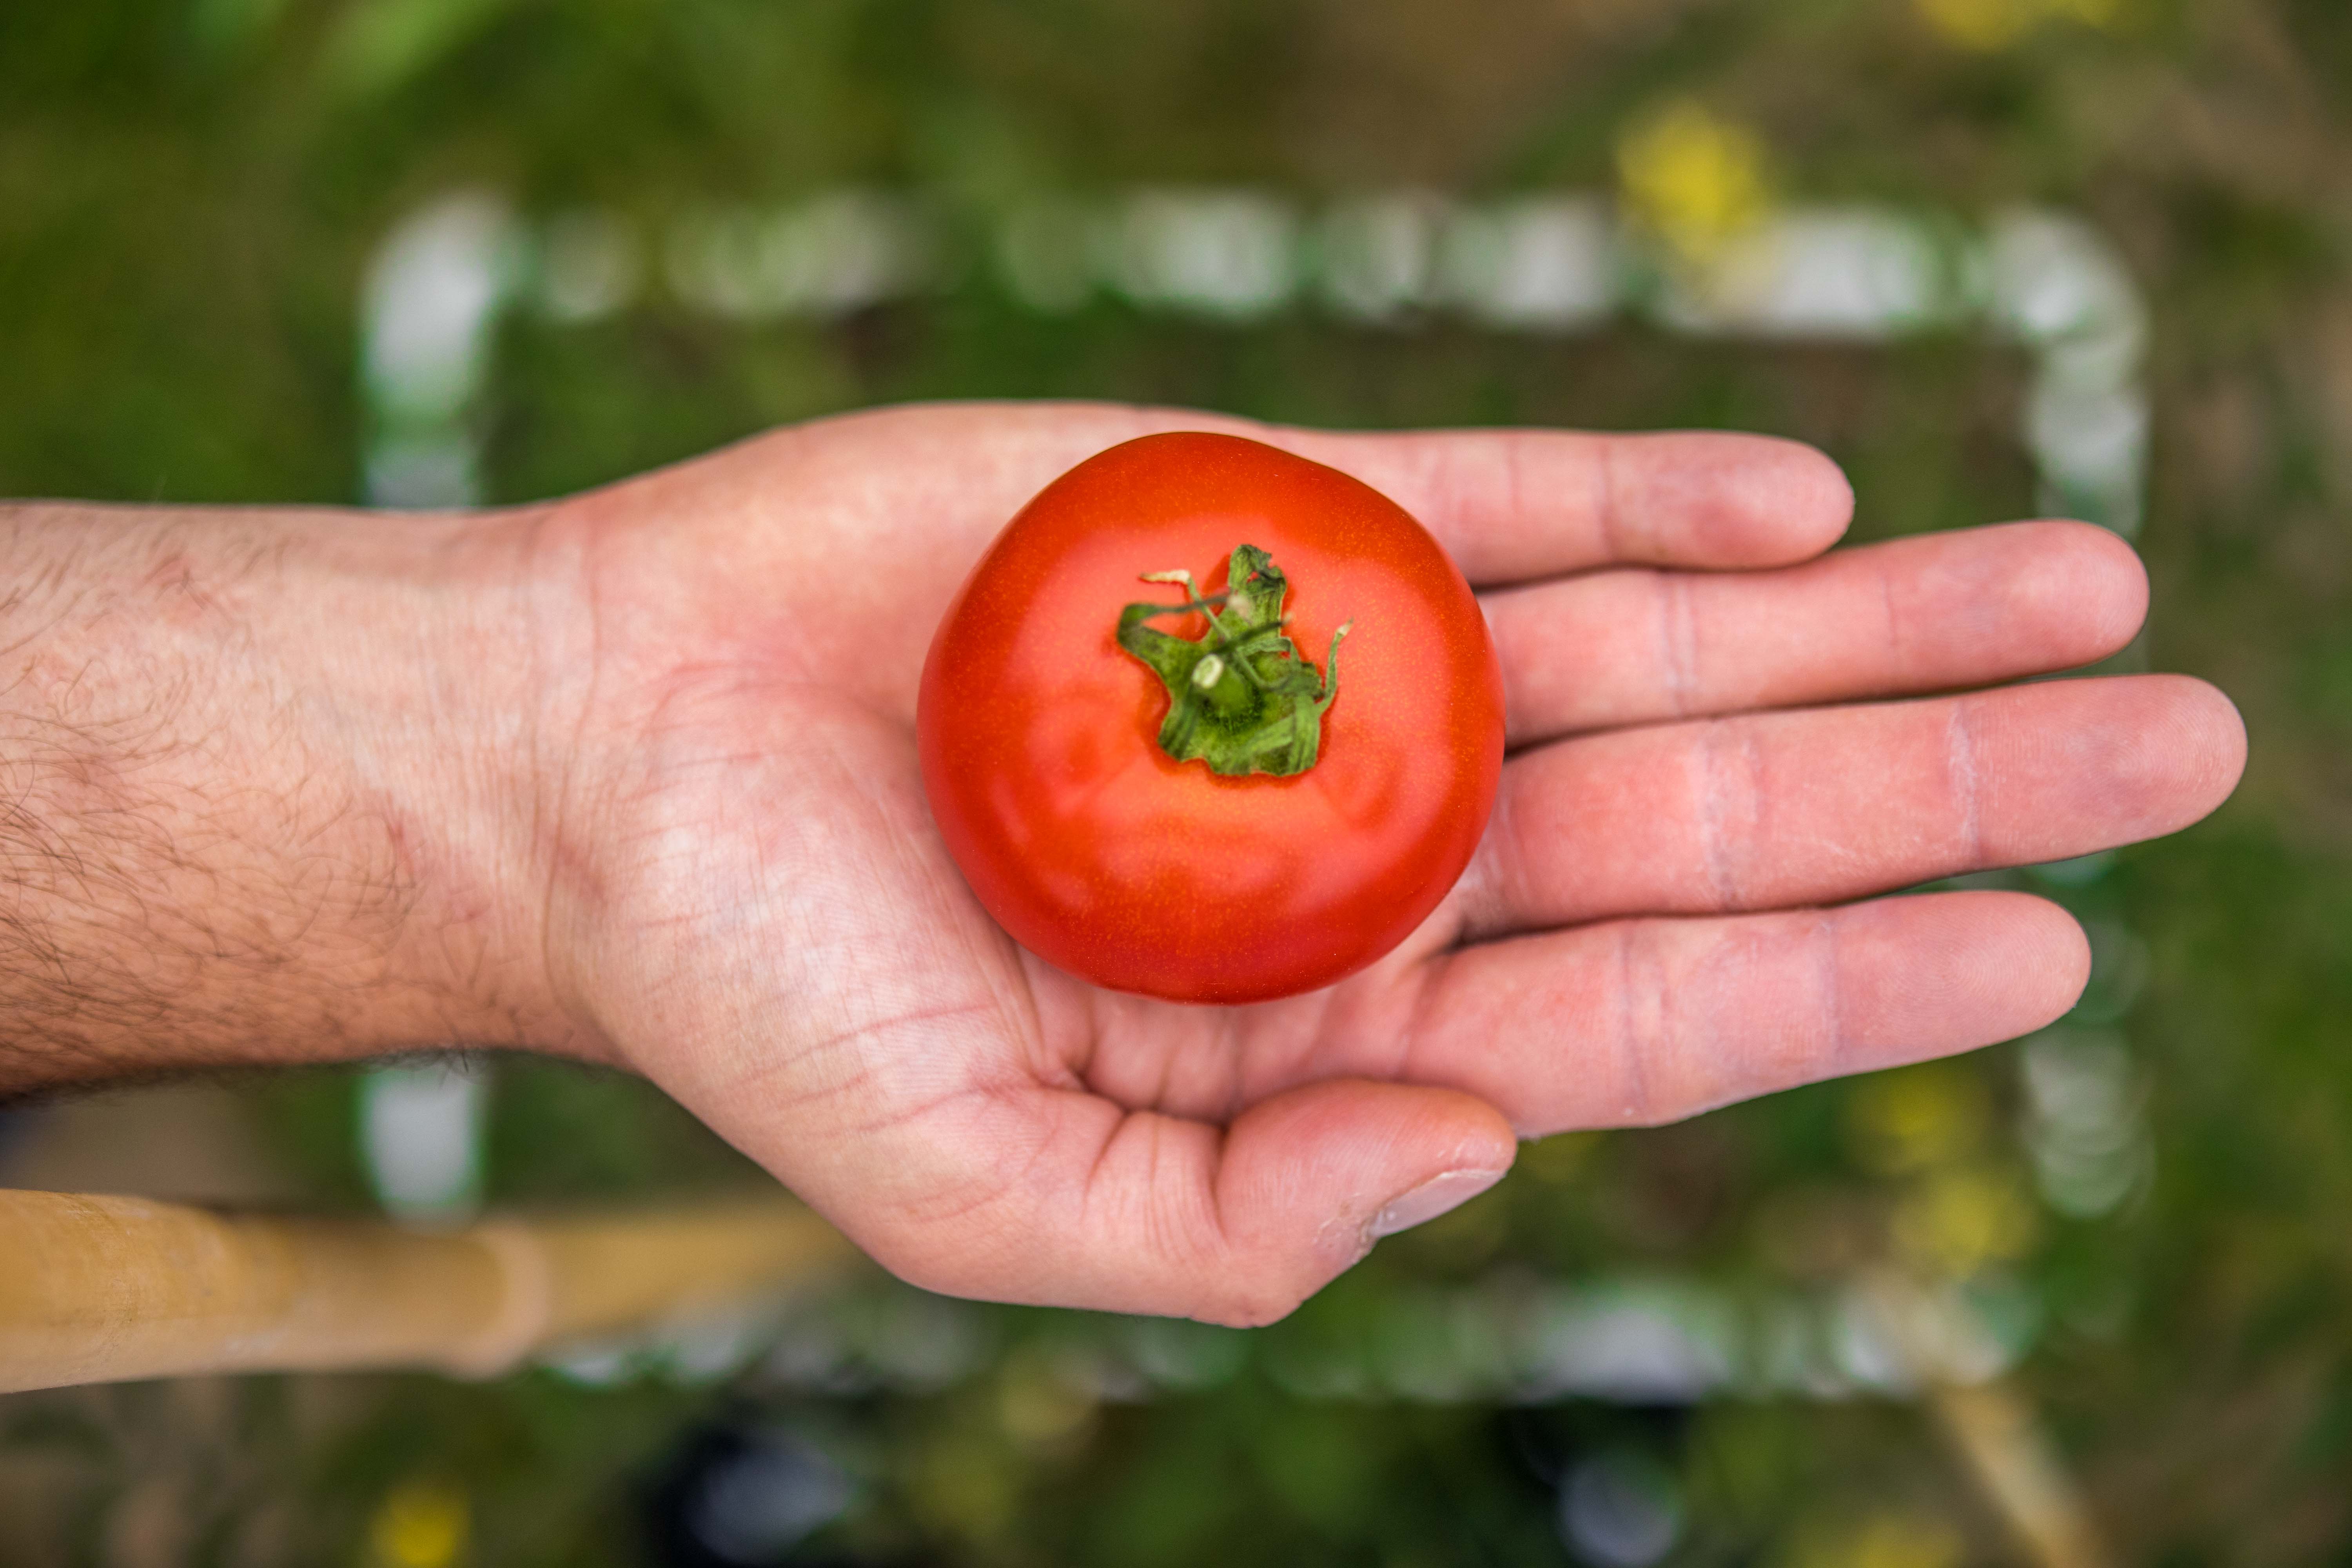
(448, 661)
(278, 786)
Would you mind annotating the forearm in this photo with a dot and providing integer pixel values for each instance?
(266, 786)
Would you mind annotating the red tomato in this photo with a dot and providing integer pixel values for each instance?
(1103, 854)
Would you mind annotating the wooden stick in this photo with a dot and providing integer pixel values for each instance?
(1989, 1421)
(2011, 1457)
(97, 1289)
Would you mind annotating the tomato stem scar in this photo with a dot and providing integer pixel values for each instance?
(1240, 698)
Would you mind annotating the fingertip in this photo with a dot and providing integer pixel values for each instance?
(2076, 587)
(2117, 599)
(1771, 502)
(2026, 959)
(2030, 956)
(2176, 750)
(1429, 1199)
(2054, 956)
(1819, 496)
(1312, 1177)
(1930, 976)
(2216, 731)
(1353, 1145)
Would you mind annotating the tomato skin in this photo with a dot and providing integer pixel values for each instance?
(1107, 859)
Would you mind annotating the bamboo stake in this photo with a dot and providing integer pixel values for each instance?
(99, 1290)
(2012, 1458)
(1990, 1423)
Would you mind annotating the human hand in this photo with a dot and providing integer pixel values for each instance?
(747, 901)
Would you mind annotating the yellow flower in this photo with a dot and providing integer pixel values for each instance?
(1985, 25)
(1894, 1540)
(1914, 1118)
(422, 1524)
(1694, 180)
(1957, 1221)
(1041, 1409)
(1883, 1541)
(1990, 24)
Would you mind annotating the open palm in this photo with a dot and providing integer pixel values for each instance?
(751, 907)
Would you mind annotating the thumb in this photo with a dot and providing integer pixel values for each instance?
(1314, 1176)
(1140, 1211)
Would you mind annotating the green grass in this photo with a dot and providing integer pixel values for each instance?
(188, 194)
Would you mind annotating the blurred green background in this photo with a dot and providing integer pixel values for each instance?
(191, 191)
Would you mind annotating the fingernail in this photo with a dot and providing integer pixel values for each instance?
(1434, 1196)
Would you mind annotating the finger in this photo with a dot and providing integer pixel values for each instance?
(783, 510)
(1775, 809)
(1640, 1022)
(1927, 614)
(1098, 1207)
(1512, 506)
(1508, 505)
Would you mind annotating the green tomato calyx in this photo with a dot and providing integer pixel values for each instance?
(1240, 699)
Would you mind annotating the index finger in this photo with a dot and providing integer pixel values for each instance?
(1514, 506)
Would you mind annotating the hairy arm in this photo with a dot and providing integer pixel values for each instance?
(261, 787)
(634, 775)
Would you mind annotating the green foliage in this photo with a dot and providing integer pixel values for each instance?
(189, 191)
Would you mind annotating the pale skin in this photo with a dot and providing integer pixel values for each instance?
(631, 777)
